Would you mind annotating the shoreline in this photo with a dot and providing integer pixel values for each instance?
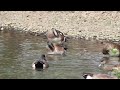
(99, 25)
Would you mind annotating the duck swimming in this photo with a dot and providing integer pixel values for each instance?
(41, 63)
(107, 63)
(98, 76)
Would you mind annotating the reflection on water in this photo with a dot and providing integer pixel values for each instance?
(18, 51)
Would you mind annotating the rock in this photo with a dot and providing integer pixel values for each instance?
(87, 24)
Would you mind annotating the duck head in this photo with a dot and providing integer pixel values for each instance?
(55, 36)
(87, 75)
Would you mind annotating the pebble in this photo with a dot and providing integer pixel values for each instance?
(80, 22)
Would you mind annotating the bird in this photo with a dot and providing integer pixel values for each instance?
(55, 36)
(107, 63)
(42, 63)
(98, 76)
(54, 48)
(111, 49)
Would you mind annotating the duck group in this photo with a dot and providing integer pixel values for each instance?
(56, 46)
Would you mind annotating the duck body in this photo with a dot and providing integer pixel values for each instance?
(56, 48)
(107, 63)
(98, 76)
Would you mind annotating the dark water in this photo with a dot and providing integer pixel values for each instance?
(18, 51)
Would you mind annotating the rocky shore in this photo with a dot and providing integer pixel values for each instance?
(99, 25)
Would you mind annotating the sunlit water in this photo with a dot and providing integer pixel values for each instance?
(18, 51)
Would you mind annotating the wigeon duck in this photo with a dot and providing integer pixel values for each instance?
(98, 76)
(42, 63)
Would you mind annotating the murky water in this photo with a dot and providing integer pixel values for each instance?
(18, 51)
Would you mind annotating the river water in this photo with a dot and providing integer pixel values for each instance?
(19, 50)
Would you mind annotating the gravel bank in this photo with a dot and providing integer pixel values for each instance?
(84, 24)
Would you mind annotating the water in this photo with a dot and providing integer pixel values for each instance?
(18, 51)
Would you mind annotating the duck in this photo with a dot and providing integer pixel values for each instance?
(54, 48)
(107, 64)
(98, 76)
(111, 49)
(55, 36)
(42, 63)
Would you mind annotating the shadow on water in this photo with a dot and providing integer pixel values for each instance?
(19, 50)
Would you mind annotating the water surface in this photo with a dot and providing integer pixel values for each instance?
(18, 51)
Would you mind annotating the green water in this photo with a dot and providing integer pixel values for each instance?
(18, 51)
